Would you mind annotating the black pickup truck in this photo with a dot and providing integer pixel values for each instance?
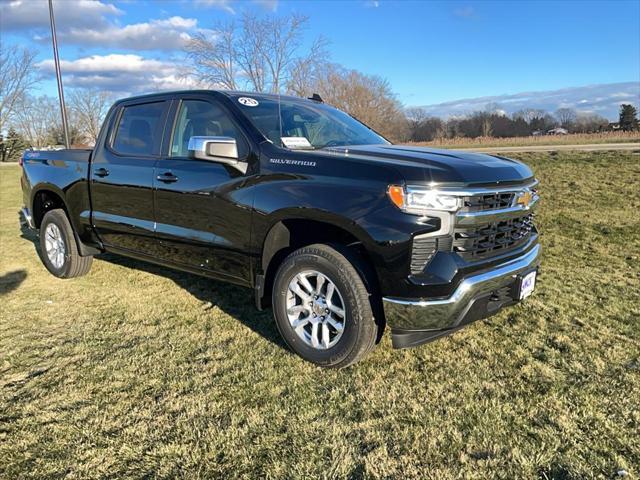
(340, 231)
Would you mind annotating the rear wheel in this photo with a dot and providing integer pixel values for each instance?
(59, 247)
(322, 308)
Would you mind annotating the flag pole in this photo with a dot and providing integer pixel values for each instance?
(56, 60)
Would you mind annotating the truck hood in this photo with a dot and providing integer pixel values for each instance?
(422, 164)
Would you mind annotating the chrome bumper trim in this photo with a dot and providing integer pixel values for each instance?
(471, 191)
(444, 313)
(28, 219)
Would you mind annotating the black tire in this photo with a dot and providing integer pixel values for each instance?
(73, 264)
(360, 329)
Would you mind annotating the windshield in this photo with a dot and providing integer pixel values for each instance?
(305, 124)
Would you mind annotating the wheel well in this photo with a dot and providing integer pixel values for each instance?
(290, 235)
(44, 201)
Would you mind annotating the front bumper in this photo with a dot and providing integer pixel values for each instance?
(417, 321)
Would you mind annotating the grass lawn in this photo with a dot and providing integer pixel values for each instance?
(139, 371)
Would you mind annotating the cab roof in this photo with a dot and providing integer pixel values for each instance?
(227, 93)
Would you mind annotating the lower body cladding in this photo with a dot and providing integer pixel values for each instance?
(417, 321)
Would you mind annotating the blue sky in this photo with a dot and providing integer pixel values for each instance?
(431, 52)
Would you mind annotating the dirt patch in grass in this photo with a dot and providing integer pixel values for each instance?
(137, 371)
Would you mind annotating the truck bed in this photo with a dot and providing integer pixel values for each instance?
(62, 172)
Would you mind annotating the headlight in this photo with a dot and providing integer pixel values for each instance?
(419, 200)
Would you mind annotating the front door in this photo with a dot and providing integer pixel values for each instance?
(122, 177)
(203, 215)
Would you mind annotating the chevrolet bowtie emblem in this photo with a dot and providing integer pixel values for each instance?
(524, 199)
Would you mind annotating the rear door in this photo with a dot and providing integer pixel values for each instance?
(203, 214)
(122, 176)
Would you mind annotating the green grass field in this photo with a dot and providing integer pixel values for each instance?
(136, 371)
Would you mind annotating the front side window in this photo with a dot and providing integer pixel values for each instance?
(200, 118)
(140, 129)
(281, 120)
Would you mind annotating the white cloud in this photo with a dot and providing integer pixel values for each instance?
(222, 4)
(603, 98)
(92, 23)
(166, 34)
(121, 73)
(227, 5)
(34, 14)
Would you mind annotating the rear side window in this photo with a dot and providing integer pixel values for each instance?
(140, 129)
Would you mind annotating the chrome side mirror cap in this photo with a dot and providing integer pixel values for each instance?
(216, 149)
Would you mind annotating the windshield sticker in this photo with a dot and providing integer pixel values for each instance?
(248, 102)
(286, 161)
(296, 142)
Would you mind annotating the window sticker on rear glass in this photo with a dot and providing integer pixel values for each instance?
(248, 102)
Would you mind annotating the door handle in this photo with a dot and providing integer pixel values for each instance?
(101, 172)
(167, 177)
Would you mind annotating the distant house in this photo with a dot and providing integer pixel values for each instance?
(537, 133)
(614, 126)
(558, 131)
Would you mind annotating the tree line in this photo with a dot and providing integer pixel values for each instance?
(266, 54)
(493, 122)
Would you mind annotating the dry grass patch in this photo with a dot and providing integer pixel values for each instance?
(572, 139)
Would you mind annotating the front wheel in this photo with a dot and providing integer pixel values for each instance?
(322, 308)
(59, 248)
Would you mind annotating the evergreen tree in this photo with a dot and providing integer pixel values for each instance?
(13, 146)
(55, 135)
(628, 118)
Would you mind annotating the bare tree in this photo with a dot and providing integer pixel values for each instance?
(35, 117)
(89, 107)
(416, 117)
(214, 60)
(529, 114)
(261, 53)
(590, 123)
(283, 38)
(16, 78)
(566, 117)
(306, 71)
(367, 97)
(486, 126)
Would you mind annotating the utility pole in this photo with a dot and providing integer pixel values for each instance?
(56, 60)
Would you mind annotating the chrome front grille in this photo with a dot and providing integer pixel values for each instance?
(485, 241)
(488, 223)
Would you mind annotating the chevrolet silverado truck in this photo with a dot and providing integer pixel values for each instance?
(339, 231)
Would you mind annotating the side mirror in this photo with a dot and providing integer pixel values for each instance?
(217, 149)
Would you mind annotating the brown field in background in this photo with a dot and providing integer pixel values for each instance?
(571, 139)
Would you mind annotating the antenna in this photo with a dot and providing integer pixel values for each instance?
(56, 60)
(316, 98)
(280, 118)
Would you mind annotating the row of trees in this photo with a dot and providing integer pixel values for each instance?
(267, 54)
(34, 121)
(492, 121)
